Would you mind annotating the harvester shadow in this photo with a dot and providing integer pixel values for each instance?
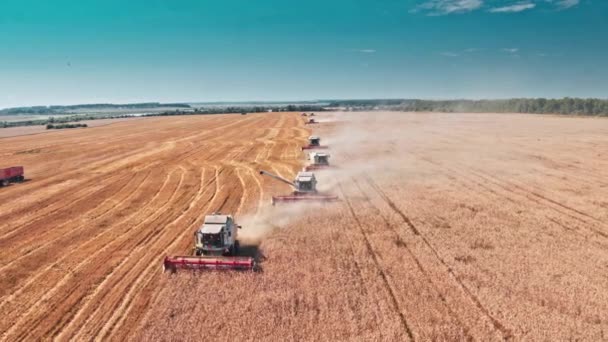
(15, 183)
(253, 251)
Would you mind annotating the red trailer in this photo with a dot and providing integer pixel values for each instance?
(11, 175)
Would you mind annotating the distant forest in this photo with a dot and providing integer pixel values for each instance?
(571, 106)
(49, 110)
(52, 120)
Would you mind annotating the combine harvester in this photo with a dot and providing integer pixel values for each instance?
(305, 189)
(311, 121)
(319, 161)
(11, 175)
(215, 248)
(314, 143)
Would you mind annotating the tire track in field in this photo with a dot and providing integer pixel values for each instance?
(105, 315)
(179, 241)
(220, 187)
(385, 278)
(47, 308)
(506, 196)
(18, 272)
(89, 221)
(75, 323)
(36, 302)
(79, 297)
(361, 278)
(119, 315)
(421, 268)
(539, 198)
(82, 195)
(506, 333)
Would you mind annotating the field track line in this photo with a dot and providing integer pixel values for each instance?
(136, 283)
(395, 303)
(176, 241)
(68, 275)
(506, 196)
(120, 315)
(78, 196)
(244, 194)
(70, 325)
(130, 195)
(413, 256)
(56, 327)
(540, 197)
(506, 333)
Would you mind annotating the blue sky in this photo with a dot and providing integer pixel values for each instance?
(65, 52)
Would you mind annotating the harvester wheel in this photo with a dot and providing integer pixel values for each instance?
(236, 247)
(4, 183)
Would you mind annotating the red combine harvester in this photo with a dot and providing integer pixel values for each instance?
(319, 161)
(11, 175)
(305, 189)
(215, 248)
(314, 143)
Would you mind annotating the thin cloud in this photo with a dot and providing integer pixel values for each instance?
(444, 7)
(460, 53)
(564, 4)
(519, 7)
(366, 50)
(511, 50)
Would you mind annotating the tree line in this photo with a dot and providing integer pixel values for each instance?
(68, 109)
(567, 105)
(186, 111)
(67, 125)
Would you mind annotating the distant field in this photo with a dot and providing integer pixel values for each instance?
(27, 130)
(91, 111)
(466, 227)
(15, 118)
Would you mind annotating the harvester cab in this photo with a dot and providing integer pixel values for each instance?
(319, 158)
(305, 182)
(217, 236)
(305, 189)
(215, 248)
(314, 142)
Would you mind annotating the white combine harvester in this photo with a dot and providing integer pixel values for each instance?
(305, 189)
(314, 143)
(215, 247)
(318, 161)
